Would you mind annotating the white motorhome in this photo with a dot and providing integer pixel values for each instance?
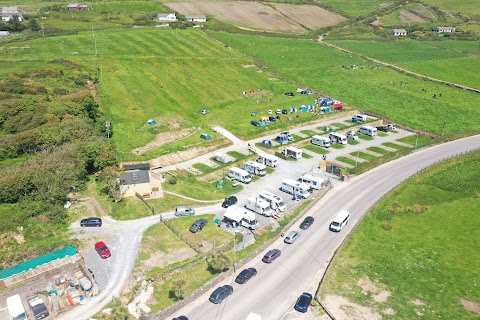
(275, 201)
(236, 216)
(340, 221)
(260, 206)
(15, 308)
(314, 182)
(239, 174)
(268, 160)
(359, 118)
(369, 131)
(253, 167)
(351, 135)
(295, 188)
(321, 141)
(338, 138)
(293, 152)
(223, 158)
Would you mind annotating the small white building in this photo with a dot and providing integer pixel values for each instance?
(167, 16)
(196, 18)
(7, 13)
(444, 29)
(398, 32)
(4, 33)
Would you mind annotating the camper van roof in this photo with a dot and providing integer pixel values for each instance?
(341, 216)
(309, 176)
(320, 137)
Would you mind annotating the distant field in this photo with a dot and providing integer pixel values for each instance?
(468, 8)
(416, 13)
(358, 7)
(416, 253)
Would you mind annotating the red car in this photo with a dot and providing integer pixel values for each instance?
(102, 250)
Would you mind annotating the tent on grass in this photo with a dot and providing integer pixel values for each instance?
(205, 136)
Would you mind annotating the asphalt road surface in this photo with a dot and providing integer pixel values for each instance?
(274, 290)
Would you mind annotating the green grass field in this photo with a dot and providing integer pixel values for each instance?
(392, 145)
(320, 68)
(468, 8)
(420, 242)
(346, 160)
(378, 150)
(192, 188)
(356, 8)
(363, 155)
(316, 149)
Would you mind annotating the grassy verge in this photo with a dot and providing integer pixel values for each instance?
(365, 137)
(353, 142)
(337, 146)
(316, 149)
(363, 155)
(382, 134)
(307, 155)
(201, 190)
(392, 145)
(309, 133)
(170, 201)
(412, 220)
(378, 150)
(346, 160)
(418, 140)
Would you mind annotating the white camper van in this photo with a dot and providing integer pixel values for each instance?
(321, 141)
(359, 118)
(339, 138)
(239, 174)
(237, 216)
(260, 206)
(253, 167)
(351, 135)
(268, 160)
(340, 221)
(275, 201)
(295, 188)
(16, 309)
(314, 182)
(369, 131)
(293, 152)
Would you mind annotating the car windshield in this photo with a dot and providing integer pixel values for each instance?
(304, 300)
(335, 223)
(281, 204)
(103, 249)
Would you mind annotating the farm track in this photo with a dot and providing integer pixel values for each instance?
(397, 68)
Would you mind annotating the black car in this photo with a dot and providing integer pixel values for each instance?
(271, 255)
(272, 119)
(91, 222)
(383, 128)
(290, 94)
(285, 111)
(255, 123)
(220, 294)
(303, 302)
(198, 225)
(230, 201)
(306, 223)
(245, 275)
(180, 318)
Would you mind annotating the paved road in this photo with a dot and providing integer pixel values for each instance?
(276, 287)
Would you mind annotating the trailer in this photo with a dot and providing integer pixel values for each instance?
(339, 138)
(256, 168)
(236, 216)
(293, 152)
(312, 181)
(295, 188)
(260, 206)
(276, 202)
(320, 141)
(239, 175)
(223, 158)
(369, 131)
(268, 160)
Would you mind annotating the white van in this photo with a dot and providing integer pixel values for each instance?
(340, 221)
(314, 182)
(239, 174)
(321, 141)
(295, 188)
(293, 152)
(276, 202)
(359, 118)
(16, 309)
(268, 160)
(369, 131)
(338, 138)
(253, 167)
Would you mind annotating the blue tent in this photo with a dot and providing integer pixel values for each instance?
(267, 142)
(151, 121)
(205, 136)
(303, 108)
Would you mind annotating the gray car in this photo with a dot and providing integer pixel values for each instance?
(183, 211)
(291, 237)
(198, 225)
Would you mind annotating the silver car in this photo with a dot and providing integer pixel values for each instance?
(291, 237)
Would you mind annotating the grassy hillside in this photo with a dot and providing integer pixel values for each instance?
(395, 95)
(420, 242)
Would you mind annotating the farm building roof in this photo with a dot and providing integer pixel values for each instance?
(195, 16)
(134, 177)
(399, 30)
(137, 166)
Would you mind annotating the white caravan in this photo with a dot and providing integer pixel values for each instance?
(351, 135)
(321, 141)
(339, 138)
(253, 167)
(359, 118)
(275, 201)
(268, 160)
(314, 182)
(237, 216)
(15, 308)
(340, 221)
(260, 206)
(293, 152)
(239, 174)
(369, 131)
(295, 188)
(223, 158)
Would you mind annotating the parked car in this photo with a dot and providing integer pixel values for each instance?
(271, 255)
(180, 318)
(230, 201)
(290, 94)
(391, 126)
(255, 123)
(278, 111)
(306, 223)
(184, 211)
(285, 111)
(245, 275)
(272, 119)
(270, 112)
(91, 222)
(205, 111)
(303, 302)
(198, 225)
(103, 250)
(383, 128)
(291, 237)
(220, 294)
